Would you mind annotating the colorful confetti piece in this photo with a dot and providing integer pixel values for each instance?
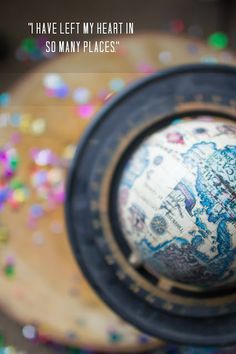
(4, 99)
(218, 40)
(82, 95)
(85, 111)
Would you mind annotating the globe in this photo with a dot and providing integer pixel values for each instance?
(177, 202)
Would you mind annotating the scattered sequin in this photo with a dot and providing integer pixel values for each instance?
(82, 95)
(114, 336)
(144, 339)
(69, 152)
(4, 235)
(12, 191)
(145, 68)
(15, 119)
(4, 99)
(218, 40)
(4, 119)
(43, 157)
(9, 268)
(192, 48)
(165, 57)
(38, 126)
(85, 110)
(29, 332)
(177, 26)
(55, 86)
(33, 49)
(116, 84)
(36, 211)
(25, 123)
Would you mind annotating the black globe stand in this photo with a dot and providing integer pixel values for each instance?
(176, 315)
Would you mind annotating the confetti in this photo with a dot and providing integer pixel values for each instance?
(177, 26)
(143, 338)
(85, 111)
(36, 211)
(4, 119)
(29, 44)
(4, 99)
(82, 95)
(62, 91)
(12, 190)
(15, 120)
(43, 157)
(38, 126)
(114, 336)
(218, 40)
(29, 332)
(47, 179)
(4, 234)
(25, 123)
(33, 49)
(52, 81)
(192, 48)
(69, 152)
(145, 68)
(55, 86)
(165, 57)
(9, 268)
(116, 84)
(55, 175)
(102, 94)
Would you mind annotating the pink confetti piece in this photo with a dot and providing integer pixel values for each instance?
(85, 110)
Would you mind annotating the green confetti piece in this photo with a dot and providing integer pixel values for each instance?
(9, 270)
(218, 40)
(1, 341)
(14, 163)
(16, 184)
(115, 337)
(29, 45)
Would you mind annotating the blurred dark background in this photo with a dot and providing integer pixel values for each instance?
(198, 18)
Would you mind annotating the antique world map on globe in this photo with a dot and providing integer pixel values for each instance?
(177, 202)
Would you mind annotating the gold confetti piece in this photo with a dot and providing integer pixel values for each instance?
(4, 235)
(38, 126)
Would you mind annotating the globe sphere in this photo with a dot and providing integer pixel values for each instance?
(177, 202)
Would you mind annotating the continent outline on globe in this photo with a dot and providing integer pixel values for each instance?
(181, 258)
